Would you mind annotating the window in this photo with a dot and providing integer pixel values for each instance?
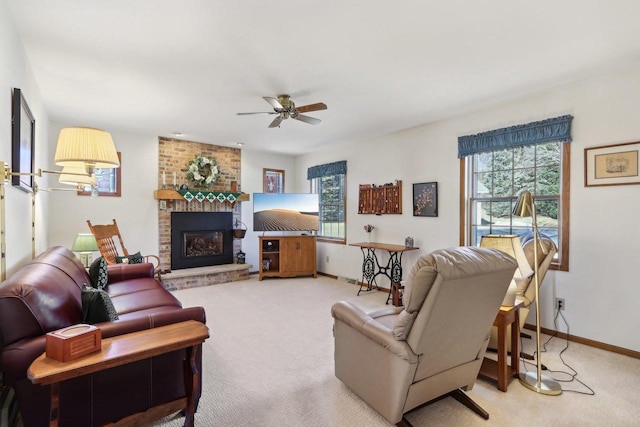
(107, 182)
(493, 180)
(329, 181)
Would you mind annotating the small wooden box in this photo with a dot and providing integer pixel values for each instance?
(73, 342)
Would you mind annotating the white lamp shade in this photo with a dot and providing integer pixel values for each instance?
(86, 147)
(510, 244)
(76, 175)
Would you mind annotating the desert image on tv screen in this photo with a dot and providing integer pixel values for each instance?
(285, 212)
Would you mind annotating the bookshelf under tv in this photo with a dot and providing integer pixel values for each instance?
(287, 256)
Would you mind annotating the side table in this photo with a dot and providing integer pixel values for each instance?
(371, 267)
(501, 371)
(125, 349)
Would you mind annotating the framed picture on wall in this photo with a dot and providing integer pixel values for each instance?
(615, 164)
(23, 134)
(273, 180)
(425, 199)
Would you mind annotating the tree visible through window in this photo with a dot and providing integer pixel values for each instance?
(331, 189)
(497, 178)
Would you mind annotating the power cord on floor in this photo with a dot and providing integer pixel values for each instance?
(573, 374)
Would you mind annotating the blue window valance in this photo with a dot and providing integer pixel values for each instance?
(335, 168)
(557, 129)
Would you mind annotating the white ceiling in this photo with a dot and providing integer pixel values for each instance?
(162, 66)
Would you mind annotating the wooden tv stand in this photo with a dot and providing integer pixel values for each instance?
(287, 256)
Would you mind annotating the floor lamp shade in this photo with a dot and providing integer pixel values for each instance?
(526, 207)
(86, 147)
(510, 244)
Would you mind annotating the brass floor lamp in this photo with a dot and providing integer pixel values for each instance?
(525, 207)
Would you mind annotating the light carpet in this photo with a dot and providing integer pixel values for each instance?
(269, 363)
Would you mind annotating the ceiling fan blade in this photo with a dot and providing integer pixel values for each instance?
(276, 122)
(274, 102)
(307, 119)
(312, 107)
(259, 112)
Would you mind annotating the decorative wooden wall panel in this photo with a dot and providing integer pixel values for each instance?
(380, 199)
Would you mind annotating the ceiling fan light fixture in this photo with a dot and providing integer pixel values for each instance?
(285, 108)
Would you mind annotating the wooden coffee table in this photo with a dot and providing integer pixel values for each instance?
(500, 371)
(125, 349)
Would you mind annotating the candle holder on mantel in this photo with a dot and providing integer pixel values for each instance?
(175, 185)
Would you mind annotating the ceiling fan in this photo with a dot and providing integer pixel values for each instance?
(284, 107)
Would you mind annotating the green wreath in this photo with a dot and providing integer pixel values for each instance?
(202, 171)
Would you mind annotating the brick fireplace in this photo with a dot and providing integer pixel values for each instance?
(173, 157)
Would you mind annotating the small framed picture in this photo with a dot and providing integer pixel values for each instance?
(425, 199)
(615, 164)
(273, 180)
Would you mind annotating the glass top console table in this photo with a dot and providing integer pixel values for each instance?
(371, 267)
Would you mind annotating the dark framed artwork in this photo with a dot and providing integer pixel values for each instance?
(273, 180)
(616, 164)
(108, 181)
(22, 142)
(425, 199)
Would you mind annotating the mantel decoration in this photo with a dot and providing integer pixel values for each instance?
(202, 171)
(212, 196)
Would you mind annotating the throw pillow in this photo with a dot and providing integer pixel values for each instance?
(133, 259)
(97, 306)
(98, 273)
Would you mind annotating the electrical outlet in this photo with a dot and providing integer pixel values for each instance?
(327, 258)
(560, 303)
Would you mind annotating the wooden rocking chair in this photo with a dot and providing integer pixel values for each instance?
(105, 234)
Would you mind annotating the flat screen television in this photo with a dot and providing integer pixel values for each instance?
(285, 212)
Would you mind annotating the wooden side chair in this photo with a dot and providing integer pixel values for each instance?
(106, 237)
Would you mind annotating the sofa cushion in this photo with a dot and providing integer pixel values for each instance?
(143, 300)
(131, 259)
(98, 273)
(97, 306)
(131, 286)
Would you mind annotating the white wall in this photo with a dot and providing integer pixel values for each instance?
(601, 289)
(136, 209)
(15, 72)
(252, 163)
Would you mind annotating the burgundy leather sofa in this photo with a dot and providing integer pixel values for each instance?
(45, 295)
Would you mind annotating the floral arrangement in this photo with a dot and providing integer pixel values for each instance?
(202, 171)
(369, 228)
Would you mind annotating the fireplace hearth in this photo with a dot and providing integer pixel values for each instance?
(201, 239)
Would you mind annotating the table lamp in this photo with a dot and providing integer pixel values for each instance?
(510, 244)
(85, 244)
(526, 207)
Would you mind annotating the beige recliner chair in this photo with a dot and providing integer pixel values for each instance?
(397, 359)
(526, 291)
